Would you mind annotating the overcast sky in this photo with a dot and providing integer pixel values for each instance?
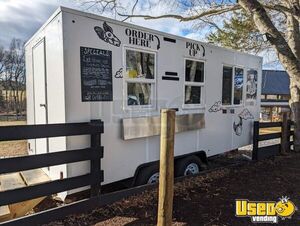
(22, 18)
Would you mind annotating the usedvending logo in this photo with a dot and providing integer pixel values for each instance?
(265, 211)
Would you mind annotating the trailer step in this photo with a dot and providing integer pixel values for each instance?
(11, 181)
(4, 213)
(19, 180)
(34, 177)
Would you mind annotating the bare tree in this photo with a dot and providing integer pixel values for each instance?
(2, 58)
(1, 74)
(277, 20)
(12, 76)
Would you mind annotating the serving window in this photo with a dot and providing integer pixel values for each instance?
(140, 78)
(232, 86)
(194, 83)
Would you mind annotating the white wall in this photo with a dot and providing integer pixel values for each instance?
(66, 32)
(121, 158)
(52, 32)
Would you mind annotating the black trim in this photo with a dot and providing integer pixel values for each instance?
(170, 78)
(169, 40)
(171, 73)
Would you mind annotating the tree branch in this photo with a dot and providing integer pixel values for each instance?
(266, 26)
(295, 11)
(211, 12)
(212, 24)
(293, 34)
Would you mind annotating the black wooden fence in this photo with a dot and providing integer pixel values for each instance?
(94, 178)
(273, 149)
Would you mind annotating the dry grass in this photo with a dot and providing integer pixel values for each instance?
(270, 130)
(13, 148)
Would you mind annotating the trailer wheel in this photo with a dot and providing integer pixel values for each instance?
(147, 175)
(189, 166)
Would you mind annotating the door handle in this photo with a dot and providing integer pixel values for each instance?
(43, 105)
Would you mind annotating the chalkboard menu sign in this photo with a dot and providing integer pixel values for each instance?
(96, 74)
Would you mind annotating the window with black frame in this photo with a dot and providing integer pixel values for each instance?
(227, 86)
(232, 85)
(238, 86)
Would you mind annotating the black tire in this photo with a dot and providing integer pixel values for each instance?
(144, 175)
(181, 165)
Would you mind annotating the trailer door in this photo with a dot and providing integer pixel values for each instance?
(245, 95)
(40, 97)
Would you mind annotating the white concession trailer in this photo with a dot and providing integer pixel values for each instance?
(81, 66)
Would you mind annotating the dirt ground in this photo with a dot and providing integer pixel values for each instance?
(13, 148)
(208, 199)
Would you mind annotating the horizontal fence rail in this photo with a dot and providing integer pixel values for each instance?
(269, 136)
(23, 132)
(48, 188)
(51, 159)
(269, 124)
(79, 207)
(93, 154)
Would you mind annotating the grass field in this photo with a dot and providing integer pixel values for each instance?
(13, 148)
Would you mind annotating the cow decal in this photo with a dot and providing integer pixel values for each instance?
(238, 126)
(107, 35)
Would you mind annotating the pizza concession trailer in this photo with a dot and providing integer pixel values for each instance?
(81, 66)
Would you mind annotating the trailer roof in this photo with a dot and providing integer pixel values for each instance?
(97, 17)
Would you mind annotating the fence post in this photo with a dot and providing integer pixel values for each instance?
(285, 134)
(96, 162)
(255, 140)
(166, 173)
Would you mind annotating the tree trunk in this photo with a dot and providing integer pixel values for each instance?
(287, 54)
(264, 24)
(295, 108)
(6, 101)
(293, 37)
